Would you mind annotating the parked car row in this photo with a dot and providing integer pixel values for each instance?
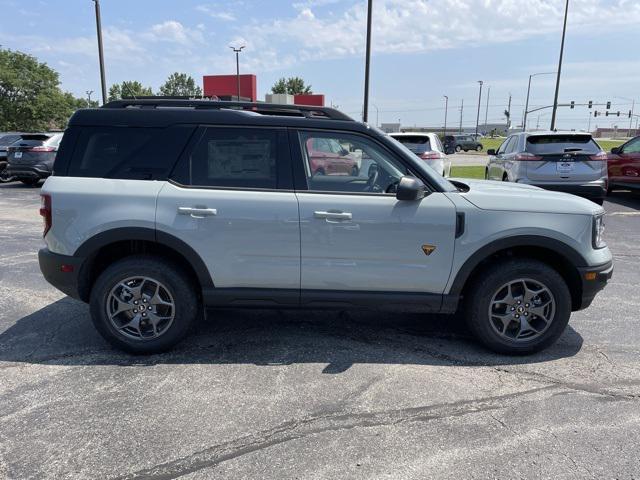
(28, 157)
(565, 161)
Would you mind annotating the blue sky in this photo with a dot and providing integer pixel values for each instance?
(422, 50)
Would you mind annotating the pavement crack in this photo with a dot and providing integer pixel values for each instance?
(294, 430)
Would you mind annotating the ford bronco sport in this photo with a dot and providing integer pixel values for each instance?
(160, 208)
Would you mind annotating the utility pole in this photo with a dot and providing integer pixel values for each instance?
(555, 98)
(367, 62)
(237, 52)
(377, 114)
(479, 100)
(486, 110)
(89, 92)
(100, 52)
(509, 114)
(446, 109)
(589, 125)
(461, 110)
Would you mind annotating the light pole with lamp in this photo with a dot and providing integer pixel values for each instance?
(100, 51)
(555, 97)
(479, 100)
(526, 105)
(237, 52)
(446, 109)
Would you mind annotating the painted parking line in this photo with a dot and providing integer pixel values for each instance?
(625, 214)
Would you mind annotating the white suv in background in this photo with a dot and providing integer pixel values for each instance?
(158, 209)
(427, 147)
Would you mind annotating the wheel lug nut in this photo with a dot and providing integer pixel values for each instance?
(517, 316)
(135, 310)
(526, 314)
(513, 308)
(526, 305)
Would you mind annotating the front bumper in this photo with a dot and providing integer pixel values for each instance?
(26, 171)
(63, 272)
(593, 280)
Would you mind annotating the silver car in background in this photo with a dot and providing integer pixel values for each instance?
(569, 162)
(428, 147)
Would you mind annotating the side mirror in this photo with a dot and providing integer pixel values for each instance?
(491, 151)
(410, 189)
(616, 150)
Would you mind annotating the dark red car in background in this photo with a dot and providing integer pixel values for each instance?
(624, 165)
(328, 157)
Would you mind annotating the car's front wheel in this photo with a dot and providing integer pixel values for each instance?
(478, 148)
(143, 304)
(519, 306)
(458, 148)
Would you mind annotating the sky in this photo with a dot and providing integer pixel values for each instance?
(421, 51)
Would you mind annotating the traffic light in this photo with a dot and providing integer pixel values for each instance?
(629, 113)
(618, 114)
(595, 114)
(606, 114)
(573, 104)
(608, 105)
(590, 103)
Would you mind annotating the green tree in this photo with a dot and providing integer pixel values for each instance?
(291, 85)
(128, 89)
(30, 95)
(180, 84)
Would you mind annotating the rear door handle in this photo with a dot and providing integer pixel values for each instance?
(197, 212)
(333, 215)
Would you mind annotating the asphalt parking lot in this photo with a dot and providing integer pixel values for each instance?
(285, 394)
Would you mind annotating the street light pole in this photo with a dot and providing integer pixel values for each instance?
(89, 92)
(555, 98)
(367, 62)
(237, 52)
(100, 52)
(446, 109)
(526, 105)
(461, 110)
(479, 100)
(377, 114)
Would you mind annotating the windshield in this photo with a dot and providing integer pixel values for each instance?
(554, 144)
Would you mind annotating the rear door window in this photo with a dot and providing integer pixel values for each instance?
(557, 144)
(236, 158)
(128, 153)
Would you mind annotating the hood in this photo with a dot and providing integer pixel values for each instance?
(517, 197)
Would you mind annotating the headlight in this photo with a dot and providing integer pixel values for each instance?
(598, 232)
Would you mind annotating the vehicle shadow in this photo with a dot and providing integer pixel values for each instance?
(625, 198)
(62, 334)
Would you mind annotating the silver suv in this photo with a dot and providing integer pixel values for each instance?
(158, 209)
(564, 161)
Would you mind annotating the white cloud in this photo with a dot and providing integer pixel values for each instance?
(173, 31)
(217, 13)
(424, 25)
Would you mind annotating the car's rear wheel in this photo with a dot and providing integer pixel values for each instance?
(518, 306)
(479, 148)
(143, 304)
(505, 177)
(458, 148)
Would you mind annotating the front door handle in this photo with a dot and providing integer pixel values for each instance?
(333, 215)
(197, 212)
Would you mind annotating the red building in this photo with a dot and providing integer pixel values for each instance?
(226, 87)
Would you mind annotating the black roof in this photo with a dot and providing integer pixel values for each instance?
(151, 112)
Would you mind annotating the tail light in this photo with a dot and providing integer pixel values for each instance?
(527, 157)
(600, 156)
(45, 212)
(430, 156)
(41, 149)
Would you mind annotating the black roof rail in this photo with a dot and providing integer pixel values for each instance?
(308, 111)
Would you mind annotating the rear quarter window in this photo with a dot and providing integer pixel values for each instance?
(127, 152)
(554, 144)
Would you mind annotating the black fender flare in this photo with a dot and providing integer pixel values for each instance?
(520, 241)
(92, 245)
